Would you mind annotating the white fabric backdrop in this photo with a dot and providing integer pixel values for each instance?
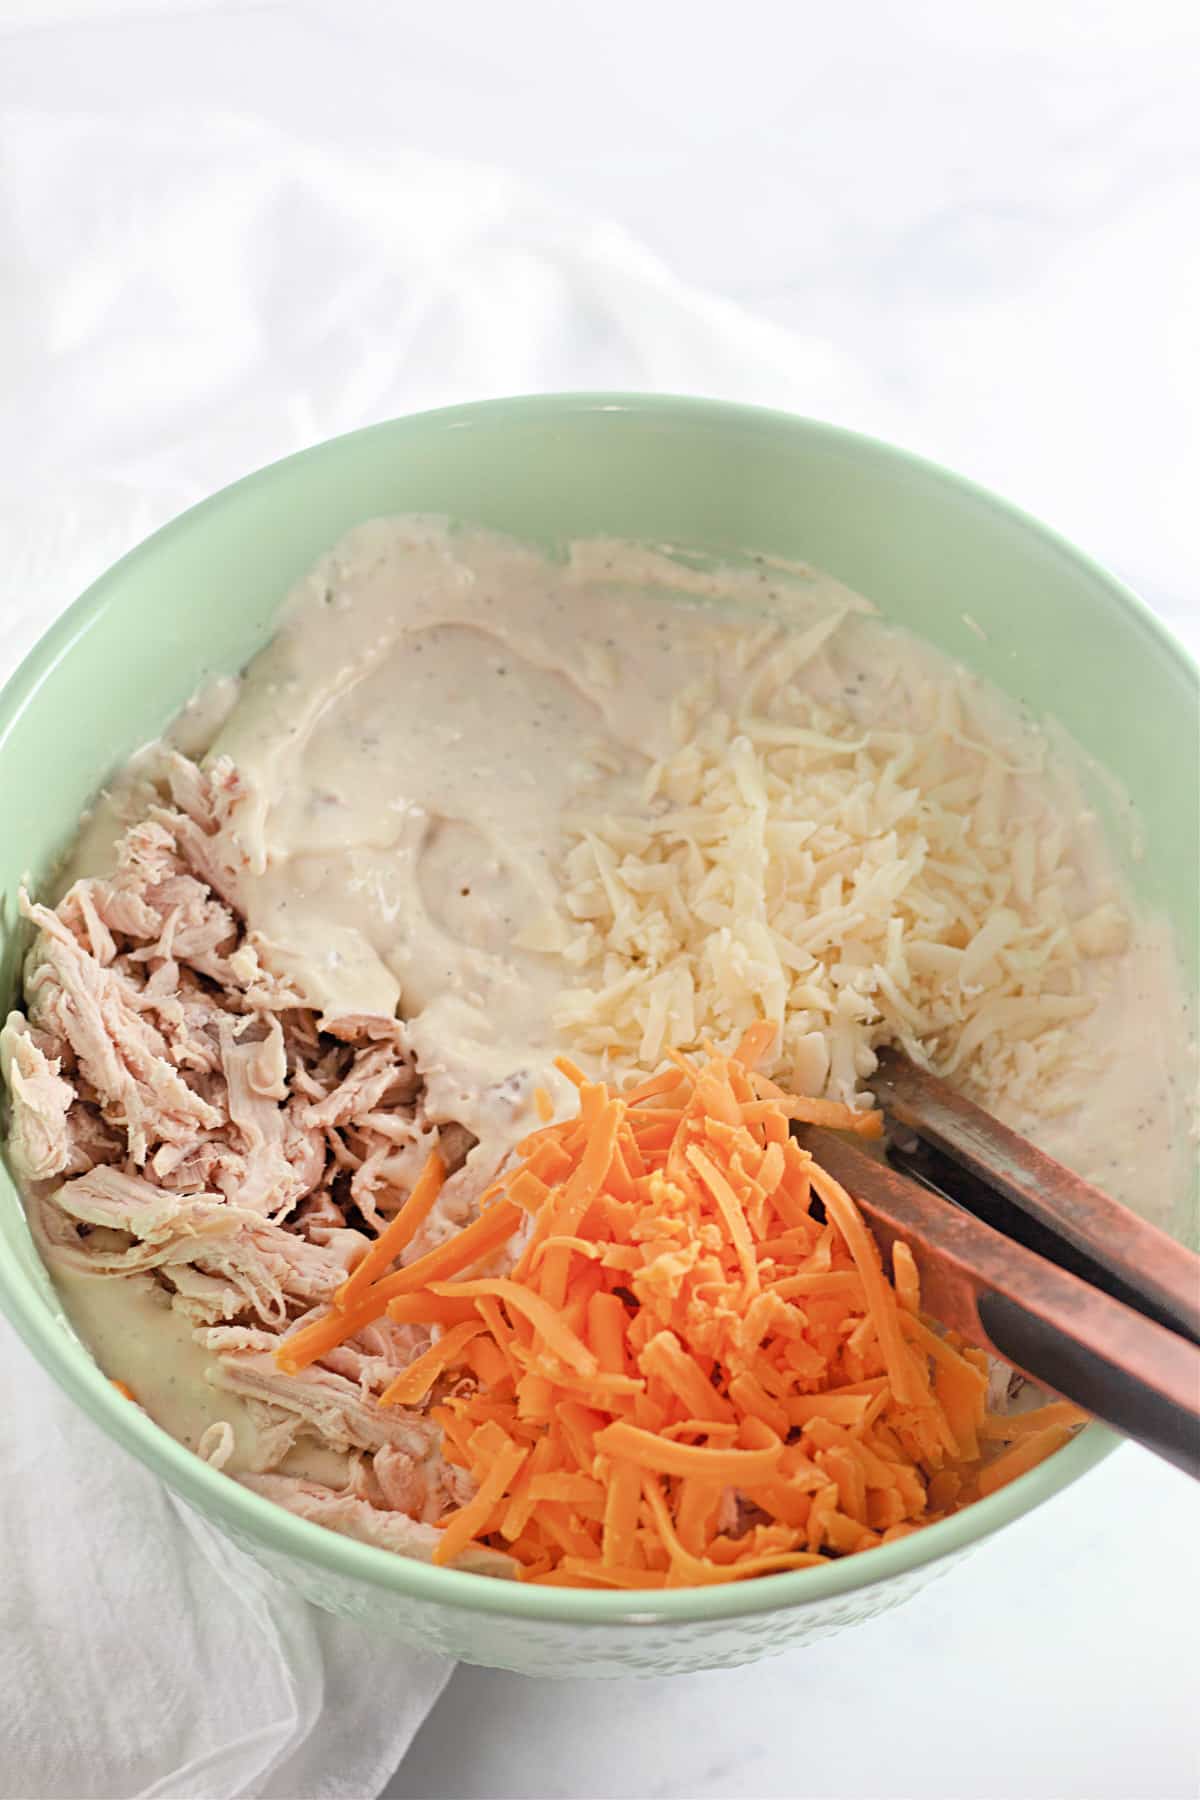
(228, 230)
(983, 218)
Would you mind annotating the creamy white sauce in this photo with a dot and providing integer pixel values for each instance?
(138, 1338)
(427, 713)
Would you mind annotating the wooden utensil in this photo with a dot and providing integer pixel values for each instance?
(1030, 1262)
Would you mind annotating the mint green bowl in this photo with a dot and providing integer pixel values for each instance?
(925, 546)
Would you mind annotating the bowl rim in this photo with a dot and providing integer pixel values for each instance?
(251, 1516)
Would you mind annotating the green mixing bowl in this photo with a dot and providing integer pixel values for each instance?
(929, 549)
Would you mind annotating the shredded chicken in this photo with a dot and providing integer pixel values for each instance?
(178, 1112)
(346, 1513)
(334, 1408)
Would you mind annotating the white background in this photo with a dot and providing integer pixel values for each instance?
(969, 229)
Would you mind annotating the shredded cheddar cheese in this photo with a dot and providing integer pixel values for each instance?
(697, 1369)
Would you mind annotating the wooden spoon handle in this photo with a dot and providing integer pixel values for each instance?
(1161, 1272)
(1138, 1376)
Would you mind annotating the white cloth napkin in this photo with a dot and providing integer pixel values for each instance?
(142, 1654)
(188, 299)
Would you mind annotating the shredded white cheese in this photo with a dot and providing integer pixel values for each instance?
(856, 885)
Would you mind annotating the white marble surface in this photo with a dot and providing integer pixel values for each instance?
(1059, 1662)
(971, 230)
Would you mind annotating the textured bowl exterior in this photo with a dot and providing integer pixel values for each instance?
(961, 568)
(640, 1645)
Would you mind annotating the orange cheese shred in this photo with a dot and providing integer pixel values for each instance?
(831, 1113)
(474, 1517)
(1025, 1454)
(400, 1232)
(472, 1245)
(414, 1382)
(649, 1450)
(547, 1324)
